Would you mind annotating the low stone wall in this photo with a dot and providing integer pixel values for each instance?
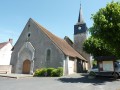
(5, 69)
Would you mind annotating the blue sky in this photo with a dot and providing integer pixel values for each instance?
(58, 16)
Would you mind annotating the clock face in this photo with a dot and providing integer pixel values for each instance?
(79, 28)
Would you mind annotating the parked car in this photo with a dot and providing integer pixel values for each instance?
(116, 73)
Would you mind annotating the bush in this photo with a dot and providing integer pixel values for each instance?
(54, 73)
(94, 63)
(44, 72)
(41, 72)
(49, 72)
(60, 71)
(37, 72)
(57, 72)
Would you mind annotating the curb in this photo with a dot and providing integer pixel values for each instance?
(17, 76)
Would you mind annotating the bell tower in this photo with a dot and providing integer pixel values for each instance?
(80, 26)
(80, 35)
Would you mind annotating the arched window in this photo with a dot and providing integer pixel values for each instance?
(48, 55)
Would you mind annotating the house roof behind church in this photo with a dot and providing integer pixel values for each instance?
(3, 44)
(60, 43)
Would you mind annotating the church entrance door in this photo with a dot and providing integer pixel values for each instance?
(26, 67)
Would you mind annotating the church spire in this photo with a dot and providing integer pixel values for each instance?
(80, 18)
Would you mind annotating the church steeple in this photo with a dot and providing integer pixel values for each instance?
(80, 26)
(80, 35)
(80, 18)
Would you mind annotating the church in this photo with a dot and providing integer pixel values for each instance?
(36, 48)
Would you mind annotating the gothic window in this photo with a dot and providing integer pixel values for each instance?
(48, 55)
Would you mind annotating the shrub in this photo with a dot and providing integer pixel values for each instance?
(37, 72)
(57, 72)
(44, 72)
(94, 63)
(49, 71)
(41, 72)
(54, 73)
(60, 71)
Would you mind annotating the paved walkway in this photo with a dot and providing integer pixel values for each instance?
(17, 76)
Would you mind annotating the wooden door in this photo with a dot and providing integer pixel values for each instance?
(26, 67)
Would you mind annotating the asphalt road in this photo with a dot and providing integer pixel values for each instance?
(74, 82)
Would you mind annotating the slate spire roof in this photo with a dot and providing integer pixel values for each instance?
(60, 43)
(80, 18)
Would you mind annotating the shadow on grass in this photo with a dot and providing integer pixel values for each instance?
(99, 80)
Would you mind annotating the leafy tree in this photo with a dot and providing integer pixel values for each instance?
(106, 28)
(96, 47)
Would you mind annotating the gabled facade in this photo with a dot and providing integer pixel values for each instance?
(5, 52)
(39, 48)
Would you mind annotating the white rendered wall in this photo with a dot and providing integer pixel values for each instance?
(5, 54)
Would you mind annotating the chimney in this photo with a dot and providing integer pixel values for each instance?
(11, 40)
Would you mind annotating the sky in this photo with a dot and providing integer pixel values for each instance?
(57, 16)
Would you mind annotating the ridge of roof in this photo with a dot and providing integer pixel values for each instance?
(3, 44)
(60, 43)
(66, 37)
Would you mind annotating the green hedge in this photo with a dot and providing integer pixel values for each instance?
(49, 72)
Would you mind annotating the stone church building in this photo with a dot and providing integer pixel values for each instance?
(38, 48)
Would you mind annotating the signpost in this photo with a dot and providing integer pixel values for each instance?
(106, 65)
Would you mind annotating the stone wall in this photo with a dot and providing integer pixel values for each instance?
(41, 43)
(78, 46)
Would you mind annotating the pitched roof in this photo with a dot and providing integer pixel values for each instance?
(69, 41)
(3, 44)
(60, 43)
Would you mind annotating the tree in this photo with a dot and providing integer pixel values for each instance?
(106, 27)
(96, 47)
